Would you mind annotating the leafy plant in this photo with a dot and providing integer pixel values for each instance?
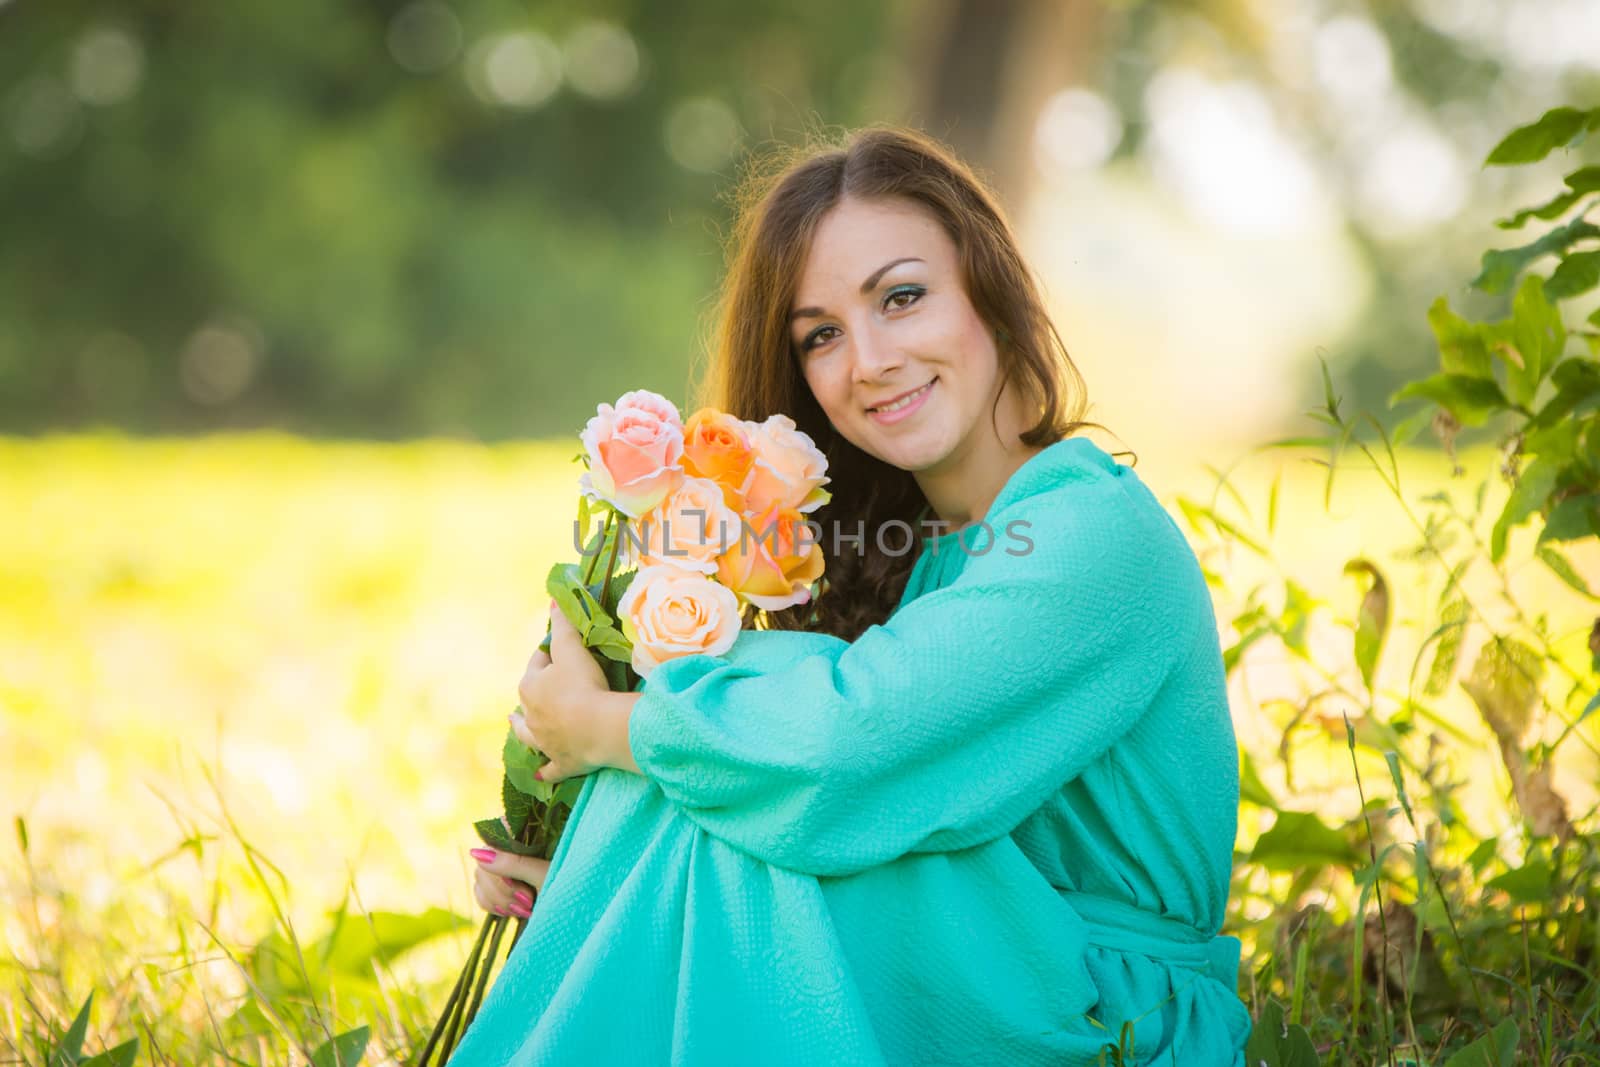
(1400, 927)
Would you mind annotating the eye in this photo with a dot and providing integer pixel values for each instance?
(814, 338)
(913, 293)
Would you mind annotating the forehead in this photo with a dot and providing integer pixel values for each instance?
(856, 237)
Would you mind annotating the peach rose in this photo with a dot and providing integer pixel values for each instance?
(635, 452)
(669, 612)
(789, 470)
(717, 446)
(689, 529)
(773, 561)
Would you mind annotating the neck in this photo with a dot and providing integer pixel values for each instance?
(961, 489)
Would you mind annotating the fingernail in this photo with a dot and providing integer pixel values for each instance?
(521, 912)
(523, 897)
(483, 855)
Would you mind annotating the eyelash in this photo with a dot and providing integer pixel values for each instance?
(914, 291)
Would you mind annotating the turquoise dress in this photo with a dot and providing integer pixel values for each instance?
(997, 828)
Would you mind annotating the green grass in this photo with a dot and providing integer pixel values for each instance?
(252, 690)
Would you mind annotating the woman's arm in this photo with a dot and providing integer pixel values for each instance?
(613, 712)
(949, 724)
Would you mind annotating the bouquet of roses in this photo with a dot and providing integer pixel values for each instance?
(701, 523)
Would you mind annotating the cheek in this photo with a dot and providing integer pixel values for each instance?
(830, 385)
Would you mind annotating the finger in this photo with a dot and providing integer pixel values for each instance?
(519, 726)
(565, 643)
(529, 869)
(502, 896)
(491, 895)
(538, 661)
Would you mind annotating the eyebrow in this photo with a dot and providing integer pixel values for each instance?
(866, 287)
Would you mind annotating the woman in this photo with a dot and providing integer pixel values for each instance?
(974, 804)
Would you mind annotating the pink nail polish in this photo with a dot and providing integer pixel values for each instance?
(523, 897)
(522, 911)
(483, 855)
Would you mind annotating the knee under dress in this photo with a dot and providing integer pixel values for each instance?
(996, 828)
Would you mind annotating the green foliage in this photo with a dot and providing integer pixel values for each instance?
(345, 1050)
(1412, 931)
(1277, 1043)
(395, 252)
(68, 1051)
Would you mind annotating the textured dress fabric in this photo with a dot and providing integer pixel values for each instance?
(997, 828)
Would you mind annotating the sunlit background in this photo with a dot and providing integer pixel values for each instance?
(302, 305)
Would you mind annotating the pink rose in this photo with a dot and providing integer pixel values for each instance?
(789, 469)
(635, 452)
(689, 529)
(669, 612)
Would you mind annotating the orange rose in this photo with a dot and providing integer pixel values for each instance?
(717, 446)
(789, 470)
(773, 561)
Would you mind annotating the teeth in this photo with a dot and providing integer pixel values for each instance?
(903, 401)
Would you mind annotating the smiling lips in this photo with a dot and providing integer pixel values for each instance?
(902, 405)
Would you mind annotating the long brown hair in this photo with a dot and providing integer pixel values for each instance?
(753, 372)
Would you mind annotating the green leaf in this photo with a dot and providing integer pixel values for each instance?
(1452, 625)
(518, 805)
(1575, 517)
(1530, 341)
(1470, 399)
(1579, 183)
(1564, 570)
(1482, 854)
(1577, 383)
(1556, 128)
(1272, 503)
(1392, 758)
(1275, 1043)
(492, 832)
(1552, 208)
(520, 762)
(1577, 273)
(121, 1056)
(356, 940)
(1372, 623)
(1528, 884)
(1534, 485)
(70, 1050)
(1500, 266)
(584, 515)
(1585, 179)
(1462, 347)
(345, 1050)
(1299, 840)
(1497, 1048)
(1252, 789)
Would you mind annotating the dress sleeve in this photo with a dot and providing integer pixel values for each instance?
(951, 722)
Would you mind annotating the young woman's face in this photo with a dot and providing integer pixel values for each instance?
(880, 316)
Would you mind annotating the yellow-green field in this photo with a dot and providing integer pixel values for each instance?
(320, 641)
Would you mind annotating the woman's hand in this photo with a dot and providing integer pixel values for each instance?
(506, 883)
(569, 712)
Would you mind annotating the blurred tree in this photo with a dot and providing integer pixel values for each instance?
(411, 216)
(1410, 91)
(381, 219)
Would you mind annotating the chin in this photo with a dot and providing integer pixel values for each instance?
(909, 455)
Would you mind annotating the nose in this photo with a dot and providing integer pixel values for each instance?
(876, 356)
